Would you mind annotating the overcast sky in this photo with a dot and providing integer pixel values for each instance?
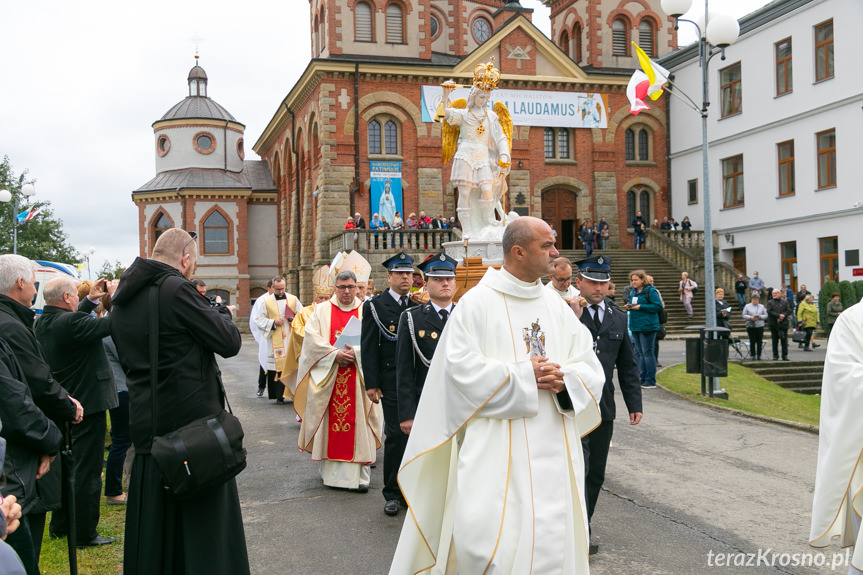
(84, 82)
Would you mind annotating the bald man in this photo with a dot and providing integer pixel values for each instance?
(204, 532)
(513, 385)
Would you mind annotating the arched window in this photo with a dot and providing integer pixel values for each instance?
(374, 137)
(646, 37)
(363, 23)
(629, 144)
(644, 206)
(395, 24)
(384, 135)
(215, 234)
(643, 145)
(162, 225)
(317, 36)
(630, 207)
(548, 140)
(563, 144)
(620, 37)
(564, 43)
(391, 138)
(576, 42)
(316, 145)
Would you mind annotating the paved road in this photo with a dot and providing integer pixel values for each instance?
(685, 485)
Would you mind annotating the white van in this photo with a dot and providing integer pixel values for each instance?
(46, 271)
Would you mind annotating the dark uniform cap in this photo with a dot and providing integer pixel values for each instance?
(439, 265)
(400, 263)
(596, 268)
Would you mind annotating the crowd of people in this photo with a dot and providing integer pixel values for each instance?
(412, 222)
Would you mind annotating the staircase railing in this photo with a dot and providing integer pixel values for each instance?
(685, 250)
(382, 241)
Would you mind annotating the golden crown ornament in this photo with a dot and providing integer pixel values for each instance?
(485, 76)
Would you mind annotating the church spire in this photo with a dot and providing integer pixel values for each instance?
(197, 79)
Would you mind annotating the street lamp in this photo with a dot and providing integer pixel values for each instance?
(90, 252)
(26, 190)
(721, 31)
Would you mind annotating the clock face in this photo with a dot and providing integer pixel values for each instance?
(481, 30)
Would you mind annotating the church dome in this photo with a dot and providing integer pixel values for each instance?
(197, 104)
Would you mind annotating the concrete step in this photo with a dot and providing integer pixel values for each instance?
(808, 390)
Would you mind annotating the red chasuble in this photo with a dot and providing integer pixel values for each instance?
(342, 408)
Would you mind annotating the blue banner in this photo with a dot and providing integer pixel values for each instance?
(386, 190)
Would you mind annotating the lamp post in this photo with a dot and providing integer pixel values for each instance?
(90, 252)
(720, 32)
(26, 190)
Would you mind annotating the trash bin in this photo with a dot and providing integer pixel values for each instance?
(693, 355)
(716, 351)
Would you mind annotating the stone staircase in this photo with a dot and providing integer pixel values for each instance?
(799, 376)
(666, 278)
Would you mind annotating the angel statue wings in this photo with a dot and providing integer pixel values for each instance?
(478, 140)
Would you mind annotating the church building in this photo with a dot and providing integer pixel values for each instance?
(360, 118)
(204, 184)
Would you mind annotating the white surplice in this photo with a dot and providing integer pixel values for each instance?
(838, 496)
(493, 471)
(571, 291)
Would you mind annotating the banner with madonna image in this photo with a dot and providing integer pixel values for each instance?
(386, 190)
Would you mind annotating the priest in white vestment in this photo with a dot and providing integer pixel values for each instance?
(838, 500)
(340, 427)
(560, 279)
(493, 471)
(273, 320)
(256, 333)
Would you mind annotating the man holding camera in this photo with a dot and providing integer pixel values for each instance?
(273, 318)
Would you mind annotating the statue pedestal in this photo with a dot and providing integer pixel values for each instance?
(474, 258)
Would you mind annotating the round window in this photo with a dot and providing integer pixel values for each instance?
(435, 26)
(205, 142)
(163, 145)
(481, 30)
(240, 149)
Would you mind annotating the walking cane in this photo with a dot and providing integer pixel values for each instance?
(68, 497)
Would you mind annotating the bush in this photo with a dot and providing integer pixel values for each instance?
(858, 290)
(827, 290)
(846, 294)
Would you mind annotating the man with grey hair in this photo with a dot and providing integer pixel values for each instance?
(17, 292)
(71, 340)
(341, 427)
(164, 535)
(513, 385)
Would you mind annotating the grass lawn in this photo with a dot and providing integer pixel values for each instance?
(105, 560)
(747, 392)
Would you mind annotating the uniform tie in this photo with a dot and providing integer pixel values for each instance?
(596, 321)
(444, 314)
(404, 302)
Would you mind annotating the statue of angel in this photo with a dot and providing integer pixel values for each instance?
(478, 140)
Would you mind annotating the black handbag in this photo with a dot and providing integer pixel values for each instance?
(799, 336)
(202, 454)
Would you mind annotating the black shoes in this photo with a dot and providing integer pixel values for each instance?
(593, 548)
(392, 507)
(814, 345)
(360, 489)
(97, 541)
(280, 400)
(785, 359)
(260, 392)
(806, 349)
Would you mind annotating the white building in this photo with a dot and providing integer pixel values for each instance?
(784, 149)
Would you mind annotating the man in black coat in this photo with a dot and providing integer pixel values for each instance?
(378, 353)
(359, 222)
(17, 293)
(203, 534)
(778, 311)
(607, 325)
(419, 331)
(71, 340)
(32, 443)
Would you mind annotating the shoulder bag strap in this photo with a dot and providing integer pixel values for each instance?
(153, 309)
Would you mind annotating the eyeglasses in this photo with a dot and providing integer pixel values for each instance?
(193, 236)
(346, 288)
(562, 280)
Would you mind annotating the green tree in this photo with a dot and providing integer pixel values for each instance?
(111, 271)
(825, 295)
(42, 237)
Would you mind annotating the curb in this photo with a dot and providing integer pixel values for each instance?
(766, 419)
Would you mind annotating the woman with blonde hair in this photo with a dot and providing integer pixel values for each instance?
(687, 291)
